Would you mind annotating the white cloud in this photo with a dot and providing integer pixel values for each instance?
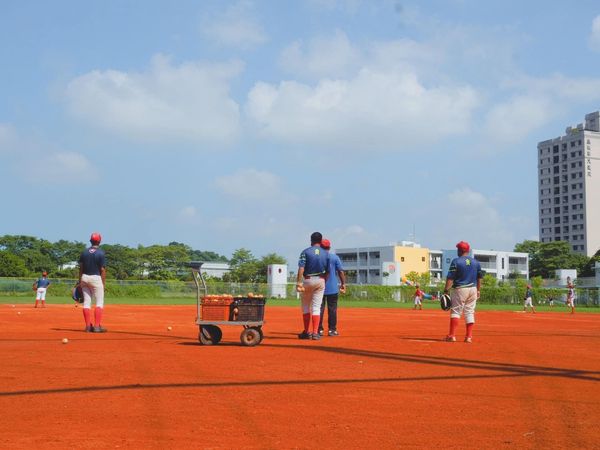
(8, 138)
(347, 6)
(188, 212)
(61, 168)
(595, 34)
(188, 215)
(471, 216)
(322, 56)
(351, 236)
(251, 185)
(514, 119)
(235, 27)
(189, 102)
(377, 109)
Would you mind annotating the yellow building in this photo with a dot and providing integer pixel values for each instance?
(384, 265)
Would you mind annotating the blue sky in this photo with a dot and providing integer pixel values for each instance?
(253, 123)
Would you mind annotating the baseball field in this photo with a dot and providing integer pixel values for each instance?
(388, 381)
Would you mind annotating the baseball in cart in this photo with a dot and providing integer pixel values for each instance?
(215, 311)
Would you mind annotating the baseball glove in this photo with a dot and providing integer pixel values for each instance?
(445, 302)
(77, 294)
(34, 286)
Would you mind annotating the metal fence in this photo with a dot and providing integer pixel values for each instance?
(502, 295)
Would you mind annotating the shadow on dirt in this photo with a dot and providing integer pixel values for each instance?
(498, 369)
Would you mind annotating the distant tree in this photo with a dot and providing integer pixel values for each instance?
(536, 282)
(489, 280)
(588, 269)
(263, 264)
(546, 257)
(121, 262)
(11, 265)
(244, 267)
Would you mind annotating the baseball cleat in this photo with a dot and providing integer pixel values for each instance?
(89, 329)
(321, 332)
(450, 339)
(468, 340)
(304, 335)
(99, 330)
(315, 336)
(333, 333)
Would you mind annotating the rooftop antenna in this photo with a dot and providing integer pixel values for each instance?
(413, 235)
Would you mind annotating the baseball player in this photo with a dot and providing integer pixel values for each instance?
(332, 290)
(313, 266)
(571, 296)
(464, 276)
(41, 286)
(528, 299)
(418, 297)
(92, 278)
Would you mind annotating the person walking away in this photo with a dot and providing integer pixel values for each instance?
(92, 278)
(464, 277)
(312, 272)
(333, 287)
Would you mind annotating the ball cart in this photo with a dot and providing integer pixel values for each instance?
(215, 311)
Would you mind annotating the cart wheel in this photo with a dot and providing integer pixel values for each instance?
(209, 334)
(251, 337)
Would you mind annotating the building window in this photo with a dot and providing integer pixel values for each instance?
(402, 259)
(422, 258)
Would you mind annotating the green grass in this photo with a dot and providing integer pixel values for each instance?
(21, 300)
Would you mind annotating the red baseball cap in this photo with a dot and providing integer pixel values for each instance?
(326, 244)
(96, 237)
(464, 246)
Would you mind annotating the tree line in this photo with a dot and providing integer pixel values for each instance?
(28, 256)
(547, 257)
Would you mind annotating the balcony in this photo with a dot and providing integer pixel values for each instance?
(517, 268)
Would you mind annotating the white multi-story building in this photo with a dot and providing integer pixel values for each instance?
(500, 264)
(569, 187)
(387, 265)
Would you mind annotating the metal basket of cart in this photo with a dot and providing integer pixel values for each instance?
(214, 311)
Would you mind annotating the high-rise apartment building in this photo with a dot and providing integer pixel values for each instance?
(569, 187)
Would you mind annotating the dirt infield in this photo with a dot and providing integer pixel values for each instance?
(528, 381)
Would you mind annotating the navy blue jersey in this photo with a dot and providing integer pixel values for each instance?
(92, 260)
(315, 261)
(464, 271)
(528, 293)
(43, 283)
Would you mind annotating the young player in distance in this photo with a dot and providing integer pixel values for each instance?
(528, 299)
(41, 287)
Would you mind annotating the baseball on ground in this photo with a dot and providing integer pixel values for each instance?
(65, 340)
(169, 328)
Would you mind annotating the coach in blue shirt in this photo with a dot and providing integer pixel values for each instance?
(332, 290)
(464, 276)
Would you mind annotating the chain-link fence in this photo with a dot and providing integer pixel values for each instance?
(500, 295)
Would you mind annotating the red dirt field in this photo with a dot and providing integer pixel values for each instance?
(527, 381)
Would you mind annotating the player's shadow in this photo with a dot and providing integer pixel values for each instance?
(497, 369)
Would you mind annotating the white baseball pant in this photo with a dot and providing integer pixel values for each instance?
(464, 301)
(92, 286)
